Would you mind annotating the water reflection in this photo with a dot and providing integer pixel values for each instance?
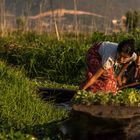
(85, 126)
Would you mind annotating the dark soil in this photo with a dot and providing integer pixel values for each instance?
(58, 95)
(104, 111)
(96, 122)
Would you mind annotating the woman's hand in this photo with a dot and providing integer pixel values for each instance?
(94, 78)
(119, 81)
(119, 78)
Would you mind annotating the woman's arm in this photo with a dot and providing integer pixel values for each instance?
(129, 85)
(119, 77)
(137, 71)
(94, 78)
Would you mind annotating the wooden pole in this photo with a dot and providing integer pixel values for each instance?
(55, 24)
(129, 85)
(76, 18)
(2, 16)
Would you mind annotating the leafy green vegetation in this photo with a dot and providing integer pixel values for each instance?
(44, 56)
(127, 97)
(21, 108)
(31, 60)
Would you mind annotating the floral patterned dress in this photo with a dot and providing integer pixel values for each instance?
(106, 82)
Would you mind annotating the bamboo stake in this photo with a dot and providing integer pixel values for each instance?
(76, 18)
(129, 85)
(55, 24)
(2, 19)
(14, 12)
(29, 5)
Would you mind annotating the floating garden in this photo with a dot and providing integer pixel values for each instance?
(31, 60)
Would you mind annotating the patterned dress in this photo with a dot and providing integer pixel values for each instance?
(106, 82)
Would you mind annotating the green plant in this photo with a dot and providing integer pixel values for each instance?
(20, 106)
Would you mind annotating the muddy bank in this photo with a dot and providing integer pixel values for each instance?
(118, 112)
(97, 122)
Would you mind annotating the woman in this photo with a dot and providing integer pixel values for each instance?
(137, 71)
(101, 58)
(130, 74)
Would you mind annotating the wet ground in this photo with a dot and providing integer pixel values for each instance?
(102, 123)
(95, 122)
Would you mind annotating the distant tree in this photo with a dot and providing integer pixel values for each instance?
(132, 20)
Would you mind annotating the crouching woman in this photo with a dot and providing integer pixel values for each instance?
(101, 58)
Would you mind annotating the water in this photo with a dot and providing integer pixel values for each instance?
(84, 126)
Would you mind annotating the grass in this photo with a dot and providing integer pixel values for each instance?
(61, 61)
(20, 108)
(31, 55)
